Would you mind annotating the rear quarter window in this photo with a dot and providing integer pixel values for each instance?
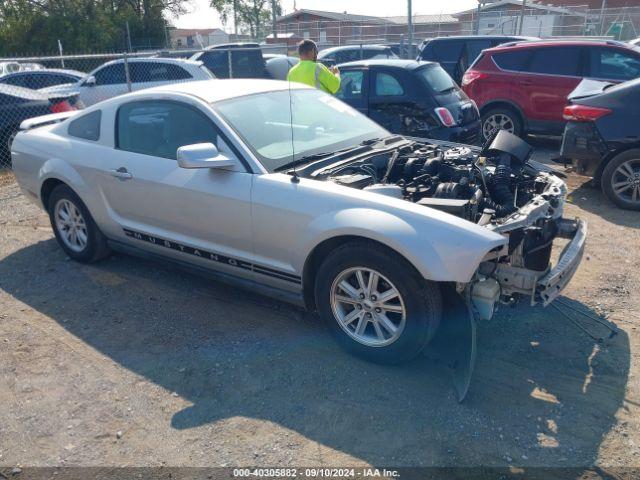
(86, 127)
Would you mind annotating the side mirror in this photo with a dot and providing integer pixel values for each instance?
(202, 155)
(90, 81)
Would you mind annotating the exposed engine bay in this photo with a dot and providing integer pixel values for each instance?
(497, 187)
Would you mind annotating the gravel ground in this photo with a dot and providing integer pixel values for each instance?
(132, 363)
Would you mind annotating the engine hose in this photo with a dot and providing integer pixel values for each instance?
(502, 199)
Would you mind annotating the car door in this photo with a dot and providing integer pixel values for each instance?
(389, 98)
(354, 89)
(200, 216)
(551, 75)
(472, 50)
(448, 53)
(110, 81)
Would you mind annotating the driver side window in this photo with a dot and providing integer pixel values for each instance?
(351, 85)
(158, 128)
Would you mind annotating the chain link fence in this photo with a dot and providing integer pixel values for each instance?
(539, 20)
(35, 86)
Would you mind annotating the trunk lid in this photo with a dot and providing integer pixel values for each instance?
(588, 88)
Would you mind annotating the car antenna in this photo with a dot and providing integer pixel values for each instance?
(294, 177)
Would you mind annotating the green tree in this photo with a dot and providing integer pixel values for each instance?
(32, 27)
(253, 16)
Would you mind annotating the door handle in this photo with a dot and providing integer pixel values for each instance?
(121, 173)
(526, 83)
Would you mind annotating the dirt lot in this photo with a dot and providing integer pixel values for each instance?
(133, 363)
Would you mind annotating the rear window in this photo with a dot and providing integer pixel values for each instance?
(614, 64)
(515, 60)
(87, 126)
(556, 61)
(436, 79)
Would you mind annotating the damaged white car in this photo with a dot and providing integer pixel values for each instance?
(286, 190)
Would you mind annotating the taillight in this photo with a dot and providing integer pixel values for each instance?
(445, 117)
(63, 106)
(584, 113)
(471, 76)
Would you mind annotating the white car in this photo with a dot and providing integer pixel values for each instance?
(286, 190)
(110, 80)
(9, 67)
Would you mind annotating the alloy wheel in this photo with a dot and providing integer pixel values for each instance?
(71, 225)
(368, 307)
(625, 181)
(497, 121)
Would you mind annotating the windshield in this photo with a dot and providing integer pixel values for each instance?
(285, 126)
(436, 78)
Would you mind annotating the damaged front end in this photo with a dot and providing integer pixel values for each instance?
(497, 187)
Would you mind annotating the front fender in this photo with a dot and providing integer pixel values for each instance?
(440, 252)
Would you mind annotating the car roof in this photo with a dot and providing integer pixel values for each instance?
(216, 90)
(233, 45)
(482, 37)
(388, 62)
(175, 61)
(354, 47)
(560, 42)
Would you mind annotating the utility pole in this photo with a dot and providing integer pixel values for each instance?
(524, 5)
(604, 6)
(128, 36)
(410, 28)
(273, 19)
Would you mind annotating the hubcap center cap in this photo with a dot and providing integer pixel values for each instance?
(367, 306)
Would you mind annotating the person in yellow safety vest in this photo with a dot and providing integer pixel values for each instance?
(313, 73)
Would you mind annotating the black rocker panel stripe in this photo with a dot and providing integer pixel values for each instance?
(212, 256)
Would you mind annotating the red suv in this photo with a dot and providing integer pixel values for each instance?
(523, 87)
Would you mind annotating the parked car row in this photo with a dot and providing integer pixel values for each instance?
(523, 87)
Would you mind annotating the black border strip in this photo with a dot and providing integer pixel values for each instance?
(212, 256)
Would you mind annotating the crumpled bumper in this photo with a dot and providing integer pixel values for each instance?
(550, 286)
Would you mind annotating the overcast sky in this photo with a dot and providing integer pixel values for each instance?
(201, 16)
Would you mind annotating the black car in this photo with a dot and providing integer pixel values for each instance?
(457, 53)
(352, 53)
(602, 137)
(18, 104)
(411, 98)
(36, 79)
(244, 59)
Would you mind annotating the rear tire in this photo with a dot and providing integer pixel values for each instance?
(503, 119)
(387, 320)
(74, 227)
(621, 180)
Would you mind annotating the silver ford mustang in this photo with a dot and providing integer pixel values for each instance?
(290, 192)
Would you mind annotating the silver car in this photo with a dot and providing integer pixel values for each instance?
(288, 191)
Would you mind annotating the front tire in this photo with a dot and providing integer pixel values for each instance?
(375, 304)
(621, 180)
(74, 227)
(501, 119)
